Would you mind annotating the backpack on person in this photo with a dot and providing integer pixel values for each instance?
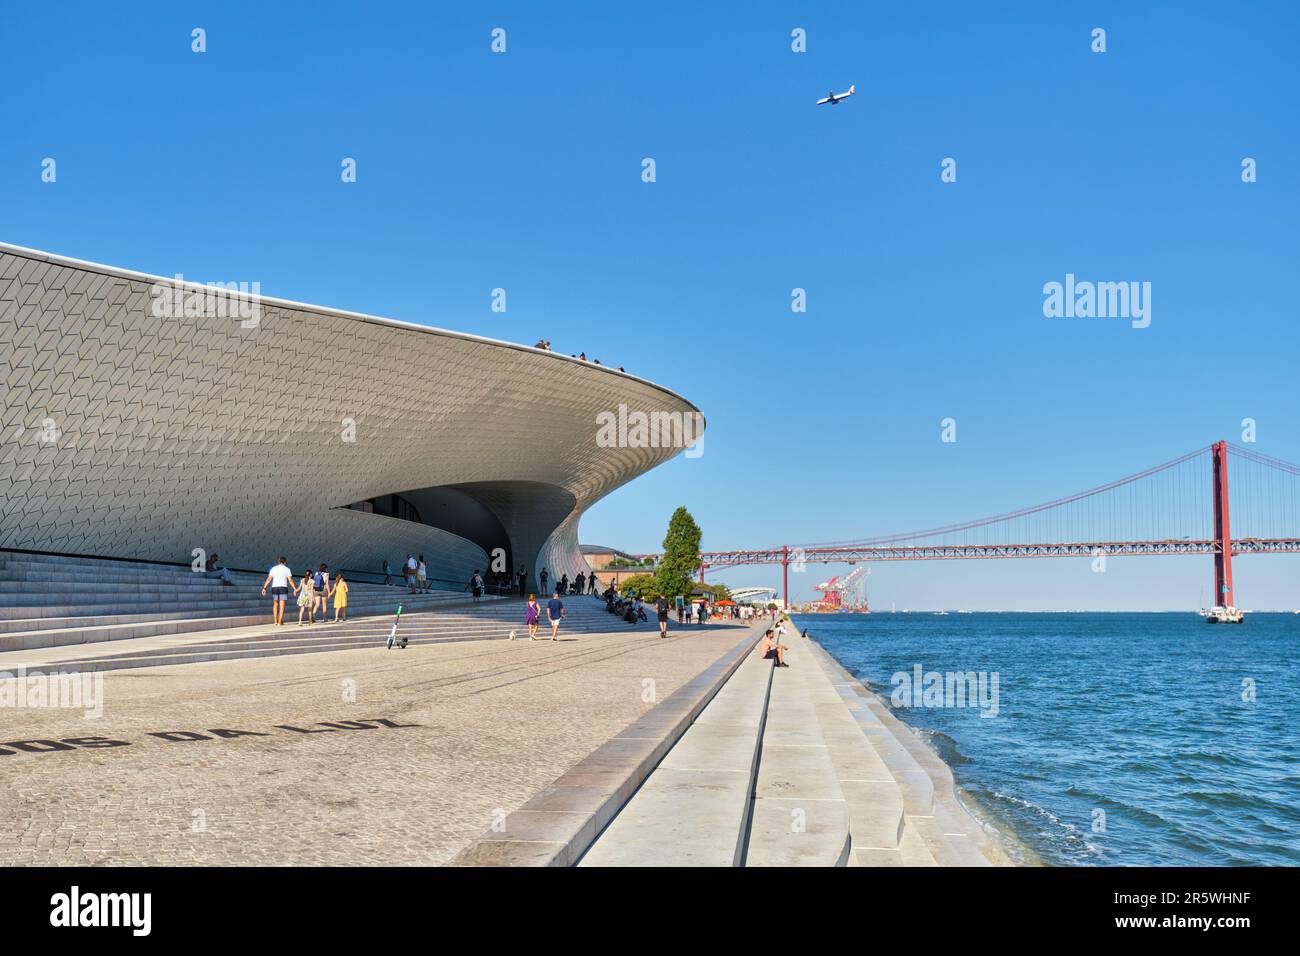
(318, 580)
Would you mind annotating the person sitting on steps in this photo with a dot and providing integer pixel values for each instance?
(772, 648)
(215, 569)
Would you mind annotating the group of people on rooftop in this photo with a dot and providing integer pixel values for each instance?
(545, 346)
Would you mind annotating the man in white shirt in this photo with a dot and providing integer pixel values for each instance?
(280, 579)
(412, 567)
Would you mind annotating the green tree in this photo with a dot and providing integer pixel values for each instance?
(681, 555)
(645, 586)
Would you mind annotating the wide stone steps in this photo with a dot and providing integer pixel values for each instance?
(54, 618)
(463, 623)
(57, 632)
(800, 816)
(229, 603)
(795, 766)
(935, 829)
(54, 601)
(694, 808)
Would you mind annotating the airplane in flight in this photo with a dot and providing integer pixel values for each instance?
(833, 98)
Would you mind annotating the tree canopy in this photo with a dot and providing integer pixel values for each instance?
(645, 586)
(681, 556)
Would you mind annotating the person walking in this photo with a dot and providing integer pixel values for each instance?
(580, 584)
(532, 613)
(555, 614)
(593, 583)
(340, 595)
(564, 584)
(388, 572)
(280, 580)
(410, 570)
(422, 575)
(544, 578)
(523, 580)
(307, 598)
(320, 583)
(476, 586)
(661, 607)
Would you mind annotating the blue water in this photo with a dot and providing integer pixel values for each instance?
(1139, 716)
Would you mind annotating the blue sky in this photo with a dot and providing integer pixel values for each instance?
(522, 171)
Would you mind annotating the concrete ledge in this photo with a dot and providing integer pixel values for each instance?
(556, 827)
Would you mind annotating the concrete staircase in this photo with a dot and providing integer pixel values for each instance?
(427, 624)
(934, 828)
(694, 808)
(796, 766)
(52, 601)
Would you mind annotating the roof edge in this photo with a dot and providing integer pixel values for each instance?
(54, 258)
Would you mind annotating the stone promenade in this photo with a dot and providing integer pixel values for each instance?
(351, 757)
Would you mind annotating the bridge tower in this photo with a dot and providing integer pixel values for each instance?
(1222, 534)
(785, 575)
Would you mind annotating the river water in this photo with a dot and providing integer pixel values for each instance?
(1110, 739)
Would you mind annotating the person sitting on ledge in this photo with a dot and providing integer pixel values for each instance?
(213, 569)
(770, 647)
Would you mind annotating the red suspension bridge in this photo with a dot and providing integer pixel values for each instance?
(1180, 507)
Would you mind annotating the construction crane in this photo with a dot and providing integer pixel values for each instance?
(844, 593)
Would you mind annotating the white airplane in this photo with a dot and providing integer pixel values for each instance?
(833, 98)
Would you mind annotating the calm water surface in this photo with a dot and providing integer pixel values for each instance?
(1139, 716)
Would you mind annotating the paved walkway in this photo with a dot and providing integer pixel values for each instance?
(427, 748)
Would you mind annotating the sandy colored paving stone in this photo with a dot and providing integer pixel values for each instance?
(496, 722)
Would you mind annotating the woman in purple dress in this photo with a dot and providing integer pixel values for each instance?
(531, 614)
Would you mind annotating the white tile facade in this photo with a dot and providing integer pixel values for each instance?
(130, 435)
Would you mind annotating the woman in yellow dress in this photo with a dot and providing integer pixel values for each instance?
(340, 592)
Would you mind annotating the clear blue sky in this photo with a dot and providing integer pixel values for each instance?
(522, 171)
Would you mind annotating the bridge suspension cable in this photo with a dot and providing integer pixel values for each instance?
(1183, 506)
